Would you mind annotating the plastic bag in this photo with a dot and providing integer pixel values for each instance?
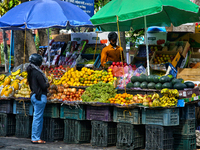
(140, 70)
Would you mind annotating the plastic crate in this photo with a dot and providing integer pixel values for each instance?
(72, 112)
(52, 110)
(53, 129)
(77, 131)
(97, 63)
(132, 116)
(130, 136)
(187, 112)
(6, 106)
(102, 113)
(159, 138)
(22, 108)
(23, 126)
(184, 142)
(7, 124)
(103, 133)
(164, 117)
(131, 91)
(185, 127)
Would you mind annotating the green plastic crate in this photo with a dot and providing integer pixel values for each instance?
(72, 112)
(185, 127)
(52, 110)
(132, 116)
(185, 142)
(77, 131)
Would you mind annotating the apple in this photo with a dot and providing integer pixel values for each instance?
(117, 63)
(121, 63)
(125, 64)
(113, 63)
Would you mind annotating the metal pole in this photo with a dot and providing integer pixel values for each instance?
(146, 41)
(48, 50)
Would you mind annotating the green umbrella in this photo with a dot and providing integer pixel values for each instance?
(144, 13)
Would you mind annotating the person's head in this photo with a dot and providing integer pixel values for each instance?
(112, 37)
(36, 59)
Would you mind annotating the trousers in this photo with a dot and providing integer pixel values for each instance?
(37, 124)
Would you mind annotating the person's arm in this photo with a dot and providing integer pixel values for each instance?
(42, 81)
(121, 49)
(103, 56)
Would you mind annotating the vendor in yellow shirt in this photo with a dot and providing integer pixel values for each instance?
(112, 51)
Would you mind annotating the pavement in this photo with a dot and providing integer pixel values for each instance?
(13, 143)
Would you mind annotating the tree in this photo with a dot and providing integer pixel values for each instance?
(5, 7)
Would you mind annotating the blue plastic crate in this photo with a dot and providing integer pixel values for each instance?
(72, 112)
(97, 62)
(164, 117)
(20, 107)
(185, 142)
(187, 112)
(185, 127)
(132, 116)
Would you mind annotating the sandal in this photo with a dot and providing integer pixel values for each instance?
(38, 142)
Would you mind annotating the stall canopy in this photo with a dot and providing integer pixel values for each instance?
(142, 14)
(38, 14)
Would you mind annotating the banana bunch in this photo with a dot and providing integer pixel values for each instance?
(57, 82)
(155, 96)
(16, 72)
(24, 74)
(168, 101)
(2, 77)
(170, 93)
(156, 103)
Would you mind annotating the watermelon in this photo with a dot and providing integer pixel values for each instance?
(143, 85)
(150, 78)
(164, 79)
(129, 85)
(151, 85)
(179, 86)
(136, 84)
(158, 86)
(189, 84)
(142, 78)
(174, 81)
(156, 78)
(167, 85)
(182, 81)
(134, 79)
(171, 77)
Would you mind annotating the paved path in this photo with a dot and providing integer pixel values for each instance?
(13, 143)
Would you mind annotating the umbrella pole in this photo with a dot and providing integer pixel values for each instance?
(48, 50)
(146, 41)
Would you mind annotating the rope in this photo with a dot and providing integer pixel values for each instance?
(120, 50)
(23, 107)
(24, 46)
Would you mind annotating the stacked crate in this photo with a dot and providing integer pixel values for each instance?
(76, 128)
(184, 133)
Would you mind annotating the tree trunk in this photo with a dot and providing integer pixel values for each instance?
(19, 47)
(43, 37)
(123, 43)
(55, 31)
(30, 44)
(5, 49)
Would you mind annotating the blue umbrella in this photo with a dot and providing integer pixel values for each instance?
(38, 14)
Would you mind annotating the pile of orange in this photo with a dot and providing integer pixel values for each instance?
(122, 99)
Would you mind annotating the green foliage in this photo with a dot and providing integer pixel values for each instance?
(37, 42)
(6, 5)
(99, 4)
(2, 54)
(100, 92)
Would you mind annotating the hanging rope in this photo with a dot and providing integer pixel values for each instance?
(120, 50)
(24, 46)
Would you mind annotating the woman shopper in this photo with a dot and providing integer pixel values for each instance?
(38, 84)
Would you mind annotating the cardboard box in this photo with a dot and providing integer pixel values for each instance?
(195, 40)
(178, 36)
(61, 37)
(154, 37)
(188, 93)
(189, 74)
(186, 47)
(162, 67)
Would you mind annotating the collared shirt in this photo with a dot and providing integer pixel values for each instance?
(109, 53)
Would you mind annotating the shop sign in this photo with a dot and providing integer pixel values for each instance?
(85, 5)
